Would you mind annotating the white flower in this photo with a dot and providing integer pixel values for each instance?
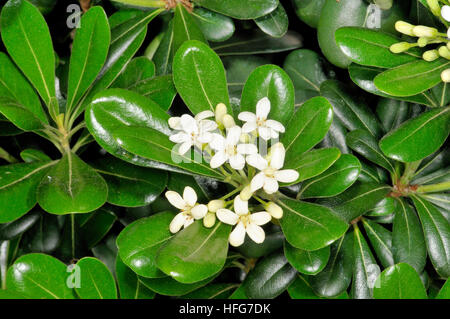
(445, 13)
(266, 128)
(228, 149)
(270, 173)
(192, 131)
(190, 210)
(245, 222)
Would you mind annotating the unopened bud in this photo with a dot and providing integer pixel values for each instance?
(246, 193)
(404, 27)
(422, 42)
(216, 204)
(424, 31)
(209, 220)
(228, 121)
(430, 55)
(221, 110)
(274, 210)
(445, 76)
(384, 4)
(444, 52)
(400, 47)
(434, 7)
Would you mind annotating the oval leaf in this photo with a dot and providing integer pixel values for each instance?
(97, 281)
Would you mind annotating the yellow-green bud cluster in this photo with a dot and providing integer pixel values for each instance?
(434, 7)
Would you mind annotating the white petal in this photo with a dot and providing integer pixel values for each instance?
(256, 233)
(179, 137)
(190, 196)
(199, 211)
(174, 123)
(247, 149)
(177, 222)
(207, 126)
(263, 108)
(257, 161)
(240, 206)
(218, 142)
(189, 220)
(275, 125)
(205, 138)
(260, 218)
(175, 199)
(448, 33)
(227, 216)
(274, 134)
(218, 159)
(270, 185)
(233, 135)
(247, 117)
(186, 146)
(445, 12)
(204, 115)
(237, 236)
(249, 127)
(188, 123)
(286, 175)
(237, 161)
(264, 132)
(277, 153)
(257, 181)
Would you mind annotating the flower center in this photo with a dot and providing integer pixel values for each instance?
(269, 172)
(260, 121)
(231, 150)
(245, 219)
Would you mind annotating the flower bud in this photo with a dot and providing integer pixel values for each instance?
(221, 110)
(384, 4)
(430, 55)
(404, 27)
(246, 193)
(424, 31)
(174, 123)
(422, 42)
(445, 76)
(434, 7)
(209, 220)
(274, 210)
(228, 121)
(400, 47)
(444, 52)
(216, 204)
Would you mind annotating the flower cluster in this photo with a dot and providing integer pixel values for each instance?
(428, 35)
(245, 159)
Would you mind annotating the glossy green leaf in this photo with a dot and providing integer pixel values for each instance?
(385, 207)
(106, 251)
(419, 137)
(307, 127)
(307, 262)
(336, 136)
(310, 226)
(13, 229)
(301, 289)
(271, 276)
(315, 162)
(139, 69)
(309, 11)
(444, 293)
(89, 52)
(275, 23)
(215, 26)
(184, 28)
(168, 286)
(96, 280)
(45, 236)
(19, 115)
(129, 285)
(381, 240)
(30, 155)
(212, 291)
(96, 225)
(437, 235)
(239, 293)
(272, 82)
(273, 241)
(130, 185)
(140, 242)
(392, 113)
(71, 186)
(18, 184)
(163, 56)
(39, 276)
(196, 253)
(408, 242)
(399, 281)
(238, 9)
(27, 38)
(441, 200)
(199, 77)
(340, 176)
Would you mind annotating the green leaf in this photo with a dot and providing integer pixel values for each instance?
(444, 293)
(441, 200)
(140, 242)
(164, 54)
(337, 275)
(315, 162)
(129, 285)
(272, 82)
(419, 137)
(385, 207)
(307, 262)
(411, 78)
(30, 155)
(371, 48)
(437, 235)
(97, 281)
(273, 241)
(27, 38)
(362, 142)
(239, 293)
(340, 176)
(275, 23)
(96, 225)
(365, 268)
(39, 276)
(353, 113)
(392, 113)
(238, 9)
(45, 236)
(309, 11)
(336, 136)
(89, 52)
(310, 226)
(130, 185)
(13, 229)
(196, 253)
(18, 184)
(139, 69)
(215, 26)
(307, 127)
(270, 277)
(71, 186)
(212, 291)
(381, 241)
(19, 115)
(184, 28)
(168, 286)
(407, 237)
(199, 77)
(399, 281)
(301, 289)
